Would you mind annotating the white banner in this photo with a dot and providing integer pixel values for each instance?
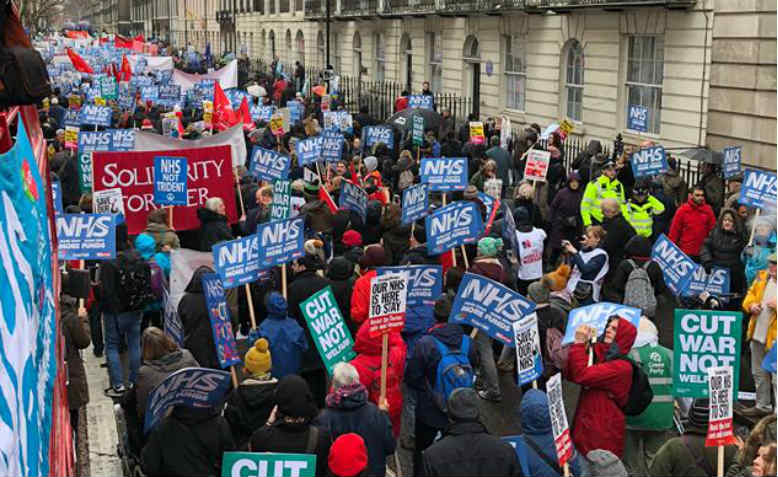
(145, 141)
(227, 77)
(153, 62)
(183, 263)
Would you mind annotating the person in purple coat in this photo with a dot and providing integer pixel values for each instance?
(565, 216)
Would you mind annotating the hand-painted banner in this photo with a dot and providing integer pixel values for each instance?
(268, 464)
(597, 315)
(444, 173)
(94, 115)
(282, 195)
(733, 161)
(489, 306)
(331, 145)
(536, 166)
(221, 326)
(108, 201)
(425, 282)
(328, 329)
(354, 198)
(677, 267)
(237, 261)
(456, 224)
(86, 236)
(280, 241)
(378, 134)
(415, 203)
(529, 359)
(268, 165)
(170, 186)
(308, 150)
(423, 101)
(715, 283)
(209, 175)
(388, 302)
(649, 161)
(758, 189)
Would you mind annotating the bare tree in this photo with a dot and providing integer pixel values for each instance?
(38, 13)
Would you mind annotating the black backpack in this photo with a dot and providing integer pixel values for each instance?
(134, 277)
(640, 392)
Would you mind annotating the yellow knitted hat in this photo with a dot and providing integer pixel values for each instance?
(258, 359)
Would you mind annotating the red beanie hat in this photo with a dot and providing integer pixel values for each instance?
(352, 238)
(348, 455)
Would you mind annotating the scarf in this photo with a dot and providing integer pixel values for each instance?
(335, 398)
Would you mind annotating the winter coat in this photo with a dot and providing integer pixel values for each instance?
(754, 297)
(565, 218)
(422, 369)
(341, 275)
(599, 419)
(674, 187)
(288, 343)
(368, 364)
(714, 190)
(302, 286)
(354, 413)
(489, 267)
(614, 292)
(154, 372)
(292, 438)
(360, 297)
(467, 449)
(723, 249)
(75, 330)
(248, 407)
(189, 442)
(503, 160)
(213, 229)
(396, 243)
(536, 424)
(198, 335)
(681, 456)
(162, 234)
(690, 226)
(619, 231)
(583, 161)
(110, 292)
(535, 215)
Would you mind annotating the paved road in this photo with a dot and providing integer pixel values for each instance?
(101, 425)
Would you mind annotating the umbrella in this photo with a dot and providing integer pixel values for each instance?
(256, 91)
(403, 120)
(703, 154)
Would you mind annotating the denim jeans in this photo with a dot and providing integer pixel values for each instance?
(762, 379)
(118, 327)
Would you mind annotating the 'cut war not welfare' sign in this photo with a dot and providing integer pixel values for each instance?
(268, 464)
(328, 329)
(444, 173)
(454, 225)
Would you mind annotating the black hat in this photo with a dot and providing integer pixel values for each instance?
(294, 398)
(442, 308)
(462, 405)
(699, 413)
(608, 163)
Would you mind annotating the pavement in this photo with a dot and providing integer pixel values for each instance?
(101, 424)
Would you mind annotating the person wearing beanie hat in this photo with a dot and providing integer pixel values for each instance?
(687, 454)
(348, 456)
(470, 192)
(289, 429)
(603, 463)
(340, 272)
(565, 217)
(371, 163)
(467, 448)
(374, 257)
(352, 238)
(286, 336)
(249, 405)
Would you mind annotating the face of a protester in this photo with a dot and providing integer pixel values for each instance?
(609, 172)
(728, 223)
(425, 86)
(698, 196)
(760, 462)
(610, 331)
(771, 269)
(742, 212)
(574, 184)
(610, 212)
(220, 209)
(590, 240)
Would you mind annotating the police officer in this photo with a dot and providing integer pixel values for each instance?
(641, 209)
(605, 186)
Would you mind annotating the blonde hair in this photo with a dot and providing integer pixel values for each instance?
(597, 231)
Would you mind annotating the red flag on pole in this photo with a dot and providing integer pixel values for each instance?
(325, 197)
(140, 38)
(78, 63)
(223, 115)
(126, 72)
(121, 42)
(243, 113)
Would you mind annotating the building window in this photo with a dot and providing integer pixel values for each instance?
(407, 67)
(335, 56)
(283, 6)
(321, 49)
(289, 52)
(380, 57)
(645, 65)
(299, 41)
(272, 45)
(574, 80)
(435, 61)
(515, 73)
(357, 46)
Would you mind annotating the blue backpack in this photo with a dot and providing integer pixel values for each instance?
(454, 371)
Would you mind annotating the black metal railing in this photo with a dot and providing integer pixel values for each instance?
(573, 4)
(353, 8)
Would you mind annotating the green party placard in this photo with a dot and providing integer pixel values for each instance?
(328, 329)
(268, 464)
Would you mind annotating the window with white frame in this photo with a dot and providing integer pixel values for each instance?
(380, 57)
(299, 41)
(435, 61)
(335, 56)
(357, 59)
(321, 49)
(645, 73)
(515, 72)
(574, 80)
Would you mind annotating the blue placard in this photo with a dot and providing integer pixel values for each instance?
(56, 197)
(171, 91)
(456, 224)
(650, 161)
(715, 283)
(769, 361)
(295, 111)
(733, 160)
(219, 314)
(95, 115)
(597, 315)
(423, 101)
(676, 266)
(237, 261)
(758, 189)
(72, 118)
(444, 173)
(86, 236)
(354, 198)
(127, 103)
(377, 134)
(90, 141)
(415, 203)
(122, 139)
(268, 165)
(265, 113)
(280, 241)
(171, 320)
(201, 388)
(149, 93)
(637, 118)
(489, 306)
(331, 145)
(170, 180)
(255, 111)
(308, 150)
(425, 282)
(140, 81)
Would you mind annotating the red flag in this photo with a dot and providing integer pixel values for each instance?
(325, 197)
(126, 72)
(78, 63)
(243, 113)
(121, 42)
(223, 115)
(103, 40)
(140, 38)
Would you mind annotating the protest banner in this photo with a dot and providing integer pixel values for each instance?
(477, 132)
(353, 197)
(209, 174)
(415, 203)
(170, 127)
(559, 426)
(489, 306)
(237, 261)
(417, 131)
(122, 139)
(328, 329)
(425, 282)
(56, 196)
(170, 187)
(637, 118)
(566, 127)
(308, 150)
(331, 145)
(170, 92)
(649, 161)
(233, 137)
(704, 339)
(71, 118)
(596, 316)
(529, 359)
(108, 201)
(536, 167)
(94, 115)
(720, 381)
(295, 111)
(493, 188)
(71, 137)
(372, 135)
(149, 93)
(388, 299)
(268, 464)
(197, 388)
(108, 87)
(88, 142)
(276, 125)
(282, 194)
(221, 326)
(456, 224)
(769, 362)
(268, 165)
(733, 161)
(74, 101)
(444, 173)
(677, 268)
(86, 236)
(281, 241)
(758, 189)
(715, 283)
(423, 101)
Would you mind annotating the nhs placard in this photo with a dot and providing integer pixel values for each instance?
(456, 224)
(280, 241)
(444, 173)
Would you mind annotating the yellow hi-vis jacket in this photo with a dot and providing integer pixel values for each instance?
(641, 216)
(596, 190)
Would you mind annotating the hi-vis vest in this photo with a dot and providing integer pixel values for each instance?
(657, 362)
(596, 190)
(641, 216)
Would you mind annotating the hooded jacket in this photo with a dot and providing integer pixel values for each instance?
(599, 419)
(360, 297)
(154, 372)
(162, 234)
(368, 364)
(341, 274)
(198, 335)
(638, 249)
(721, 247)
(690, 226)
(619, 231)
(565, 210)
(303, 285)
(75, 330)
(213, 229)
(248, 408)
(286, 336)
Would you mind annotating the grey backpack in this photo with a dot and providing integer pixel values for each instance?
(638, 292)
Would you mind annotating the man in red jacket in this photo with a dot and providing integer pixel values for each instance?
(692, 223)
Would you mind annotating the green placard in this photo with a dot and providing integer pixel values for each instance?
(85, 172)
(108, 88)
(703, 339)
(268, 464)
(282, 196)
(418, 129)
(328, 329)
